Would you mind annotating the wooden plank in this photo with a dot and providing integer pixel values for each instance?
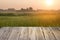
(19, 34)
(1, 31)
(35, 33)
(56, 33)
(14, 34)
(24, 34)
(5, 35)
(30, 33)
(39, 34)
(48, 34)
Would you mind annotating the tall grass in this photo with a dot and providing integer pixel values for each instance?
(36, 20)
(25, 19)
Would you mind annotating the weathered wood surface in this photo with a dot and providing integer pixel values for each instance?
(30, 33)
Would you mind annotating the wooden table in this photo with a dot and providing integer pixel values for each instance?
(30, 33)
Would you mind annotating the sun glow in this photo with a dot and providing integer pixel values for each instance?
(49, 2)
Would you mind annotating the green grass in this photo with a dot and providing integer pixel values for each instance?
(37, 20)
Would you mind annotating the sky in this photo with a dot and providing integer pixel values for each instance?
(35, 4)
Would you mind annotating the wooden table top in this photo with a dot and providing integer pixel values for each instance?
(30, 33)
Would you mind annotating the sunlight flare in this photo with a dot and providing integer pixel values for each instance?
(49, 2)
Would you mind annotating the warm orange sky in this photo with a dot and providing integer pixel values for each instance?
(36, 4)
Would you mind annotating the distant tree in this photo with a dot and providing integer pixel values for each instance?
(22, 9)
(27, 9)
(1, 9)
(11, 9)
(30, 8)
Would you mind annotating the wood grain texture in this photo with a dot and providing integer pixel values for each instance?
(30, 33)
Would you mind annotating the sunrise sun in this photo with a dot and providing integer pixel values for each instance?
(49, 2)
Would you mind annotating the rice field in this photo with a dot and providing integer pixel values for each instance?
(52, 20)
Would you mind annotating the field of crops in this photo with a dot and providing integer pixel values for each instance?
(36, 20)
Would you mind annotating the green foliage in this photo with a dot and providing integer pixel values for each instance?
(15, 14)
(25, 19)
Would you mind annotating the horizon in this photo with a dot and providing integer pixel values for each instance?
(32, 9)
(35, 4)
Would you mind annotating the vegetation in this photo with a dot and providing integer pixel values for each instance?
(42, 20)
